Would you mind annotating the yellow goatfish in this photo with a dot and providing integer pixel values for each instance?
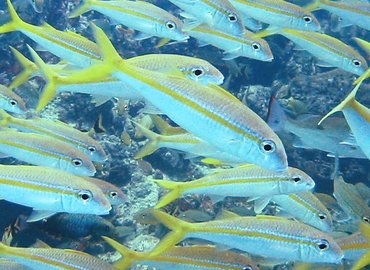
(353, 12)
(10, 101)
(243, 181)
(56, 130)
(53, 258)
(197, 108)
(184, 258)
(265, 236)
(142, 16)
(114, 194)
(70, 46)
(49, 191)
(358, 119)
(278, 13)
(45, 151)
(327, 49)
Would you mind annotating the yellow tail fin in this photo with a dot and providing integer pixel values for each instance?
(365, 259)
(15, 21)
(129, 256)
(152, 144)
(346, 102)
(176, 191)
(179, 229)
(49, 91)
(363, 77)
(85, 7)
(164, 127)
(28, 69)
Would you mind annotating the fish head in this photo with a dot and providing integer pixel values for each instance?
(307, 21)
(89, 200)
(258, 49)
(323, 221)
(115, 196)
(80, 164)
(267, 152)
(322, 250)
(298, 181)
(204, 74)
(95, 151)
(228, 20)
(356, 65)
(172, 28)
(11, 102)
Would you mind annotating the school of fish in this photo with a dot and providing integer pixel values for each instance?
(187, 109)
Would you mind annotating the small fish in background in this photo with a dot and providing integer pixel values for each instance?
(114, 194)
(278, 13)
(358, 119)
(52, 258)
(351, 201)
(352, 12)
(11, 102)
(329, 137)
(246, 44)
(142, 16)
(42, 150)
(266, 236)
(354, 246)
(218, 14)
(49, 191)
(364, 191)
(56, 130)
(244, 181)
(79, 225)
(38, 5)
(191, 257)
(329, 51)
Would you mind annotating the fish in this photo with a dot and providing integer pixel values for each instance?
(142, 16)
(306, 207)
(11, 102)
(114, 194)
(184, 258)
(53, 258)
(219, 14)
(42, 150)
(56, 130)
(354, 246)
(185, 142)
(364, 191)
(350, 200)
(331, 137)
(357, 117)
(79, 225)
(244, 181)
(266, 236)
(11, 265)
(38, 5)
(364, 260)
(67, 45)
(329, 51)
(246, 45)
(352, 12)
(278, 13)
(235, 128)
(49, 191)
(365, 45)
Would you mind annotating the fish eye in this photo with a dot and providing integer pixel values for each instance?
(256, 46)
(366, 219)
(322, 244)
(91, 148)
(113, 194)
(170, 25)
(85, 195)
(13, 102)
(322, 216)
(268, 146)
(77, 162)
(356, 62)
(197, 72)
(247, 267)
(307, 19)
(232, 17)
(297, 179)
